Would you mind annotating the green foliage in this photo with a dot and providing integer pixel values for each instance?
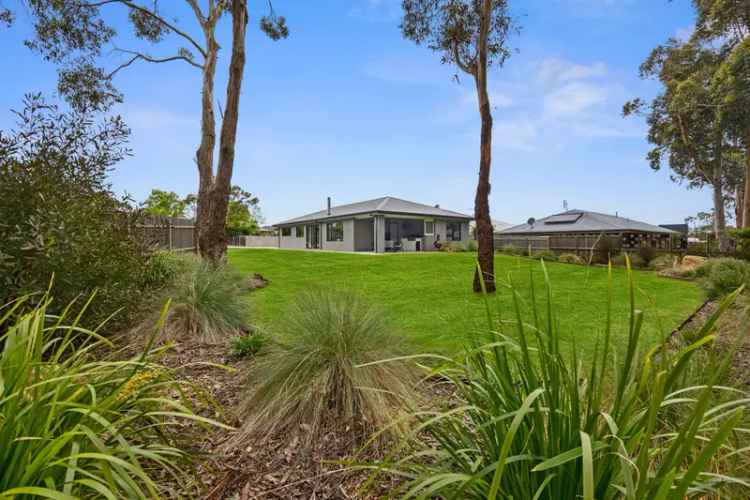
(647, 253)
(571, 258)
(331, 369)
(247, 345)
(635, 260)
(59, 218)
(605, 250)
(75, 427)
(704, 269)
(725, 276)
(166, 203)
(532, 422)
(547, 255)
(742, 237)
(163, 268)
(208, 301)
(452, 246)
(472, 246)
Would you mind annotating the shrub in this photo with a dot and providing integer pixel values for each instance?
(604, 250)
(208, 302)
(635, 260)
(725, 276)
(530, 420)
(510, 249)
(247, 345)
(704, 269)
(75, 427)
(571, 258)
(59, 218)
(647, 253)
(547, 255)
(164, 268)
(472, 246)
(326, 372)
(452, 246)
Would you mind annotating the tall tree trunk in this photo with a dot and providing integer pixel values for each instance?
(486, 246)
(717, 178)
(739, 204)
(720, 219)
(213, 193)
(746, 194)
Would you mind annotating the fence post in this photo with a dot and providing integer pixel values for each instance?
(169, 231)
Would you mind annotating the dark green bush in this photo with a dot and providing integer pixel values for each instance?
(636, 261)
(725, 276)
(704, 269)
(647, 253)
(605, 250)
(247, 345)
(59, 218)
(163, 268)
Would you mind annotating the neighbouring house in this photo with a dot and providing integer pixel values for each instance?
(381, 225)
(582, 230)
(497, 226)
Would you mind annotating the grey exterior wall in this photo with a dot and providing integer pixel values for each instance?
(364, 235)
(341, 246)
(379, 234)
(292, 241)
(442, 229)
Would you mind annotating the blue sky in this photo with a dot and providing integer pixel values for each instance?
(349, 109)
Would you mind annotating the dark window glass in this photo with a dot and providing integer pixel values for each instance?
(286, 231)
(335, 231)
(300, 231)
(429, 227)
(453, 231)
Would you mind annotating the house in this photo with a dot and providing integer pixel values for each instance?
(581, 230)
(379, 225)
(497, 226)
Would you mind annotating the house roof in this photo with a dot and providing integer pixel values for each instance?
(385, 204)
(497, 225)
(583, 221)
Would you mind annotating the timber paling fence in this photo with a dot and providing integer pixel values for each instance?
(572, 244)
(170, 233)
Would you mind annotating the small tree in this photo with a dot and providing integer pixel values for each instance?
(165, 204)
(472, 35)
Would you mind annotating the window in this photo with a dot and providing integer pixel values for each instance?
(453, 231)
(286, 231)
(335, 231)
(300, 231)
(429, 227)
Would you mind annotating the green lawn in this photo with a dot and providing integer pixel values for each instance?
(428, 295)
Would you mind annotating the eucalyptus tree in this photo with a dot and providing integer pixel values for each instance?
(471, 35)
(74, 34)
(724, 25)
(685, 127)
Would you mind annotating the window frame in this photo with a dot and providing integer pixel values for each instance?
(299, 231)
(450, 234)
(286, 231)
(337, 234)
(425, 231)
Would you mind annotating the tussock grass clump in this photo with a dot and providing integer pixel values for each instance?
(332, 367)
(72, 426)
(723, 276)
(571, 258)
(534, 422)
(208, 302)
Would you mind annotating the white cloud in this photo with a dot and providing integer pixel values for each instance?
(553, 69)
(573, 98)
(683, 34)
(515, 135)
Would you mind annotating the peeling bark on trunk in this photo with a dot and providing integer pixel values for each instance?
(213, 193)
(720, 220)
(485, 250)
(746, 194)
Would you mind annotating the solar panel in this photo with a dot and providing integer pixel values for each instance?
(563, 218)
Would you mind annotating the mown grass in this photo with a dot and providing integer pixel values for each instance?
(429, 295)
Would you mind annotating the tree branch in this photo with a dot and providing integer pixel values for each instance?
(466, 68)
(153, 15)
(197, 11)
(147, 58)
